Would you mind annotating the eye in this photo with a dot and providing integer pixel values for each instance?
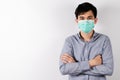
(90, 17)
(81, 18)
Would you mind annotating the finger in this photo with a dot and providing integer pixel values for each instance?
(64, 60)
(68, 59)
(68, 55)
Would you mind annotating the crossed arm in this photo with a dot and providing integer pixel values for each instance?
(66, 58)
(99, 65)
(93, 67)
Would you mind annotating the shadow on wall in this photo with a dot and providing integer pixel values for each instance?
(109, 18)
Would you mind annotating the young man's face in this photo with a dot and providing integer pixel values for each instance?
(87, 16)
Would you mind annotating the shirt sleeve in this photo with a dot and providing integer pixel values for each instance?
(72, 68)
(107, 67)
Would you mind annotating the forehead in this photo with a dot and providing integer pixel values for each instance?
(86, 14)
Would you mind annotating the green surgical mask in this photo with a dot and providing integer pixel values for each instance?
(86, 25)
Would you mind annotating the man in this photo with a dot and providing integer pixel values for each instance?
(86, 55)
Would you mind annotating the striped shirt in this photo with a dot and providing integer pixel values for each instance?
(82, 52)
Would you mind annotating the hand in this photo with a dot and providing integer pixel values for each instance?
(66, 58)
(96, 61)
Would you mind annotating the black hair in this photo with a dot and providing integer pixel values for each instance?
(84, 7)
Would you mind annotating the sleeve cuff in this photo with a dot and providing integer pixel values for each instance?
(85, 65)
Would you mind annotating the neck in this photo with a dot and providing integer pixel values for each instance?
(86, 36)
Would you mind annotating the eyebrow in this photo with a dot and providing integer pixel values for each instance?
(90, 16)
(84, 17)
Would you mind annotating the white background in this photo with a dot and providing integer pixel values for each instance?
(32, 34)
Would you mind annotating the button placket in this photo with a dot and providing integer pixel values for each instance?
(86, 50)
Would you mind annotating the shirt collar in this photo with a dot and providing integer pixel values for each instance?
(92, 39)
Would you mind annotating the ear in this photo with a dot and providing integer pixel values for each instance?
(76, 20)
(96, 19)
